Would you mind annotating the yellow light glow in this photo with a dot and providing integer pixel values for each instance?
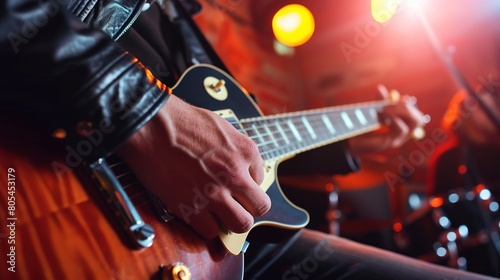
(293, 25)
(383, 10)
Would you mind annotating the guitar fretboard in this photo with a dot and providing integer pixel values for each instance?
(288, 134)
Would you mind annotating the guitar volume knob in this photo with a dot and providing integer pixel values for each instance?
(178, 271)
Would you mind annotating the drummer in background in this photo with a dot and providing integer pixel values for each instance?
(469, 162)
(471, 156)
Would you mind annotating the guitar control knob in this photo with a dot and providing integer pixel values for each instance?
(178, 271)
(216, 88)
(219, 85)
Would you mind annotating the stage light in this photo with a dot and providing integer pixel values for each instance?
(470, 195)
(436, 202)
(441, 252)
(444, 222)
(383, 10)
(453, 197)
(451, 236)
(329, 187)
(485, 194)
(463, 230)
(415, 201)
(397, 227)
(462, 169)
(293, 25)
(494, 206)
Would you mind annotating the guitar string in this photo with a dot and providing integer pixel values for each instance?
(285, 150)
(301, 128)
(284, 125)
(317, 125)
(140, 193)
(337, 109)
(321, 129)
(316, 117)
(324, 133)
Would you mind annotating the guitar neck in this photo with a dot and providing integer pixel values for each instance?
(283, 135)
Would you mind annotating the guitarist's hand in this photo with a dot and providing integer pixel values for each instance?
(400, 121)
(204, 170)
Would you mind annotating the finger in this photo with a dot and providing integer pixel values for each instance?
(256, 170)
(252, 197)
(383, 91)
(400, 132)
(232, 215)
(411, 115)
(411, 105)
(392, 95)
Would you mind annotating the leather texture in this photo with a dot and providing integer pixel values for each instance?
(62, 70)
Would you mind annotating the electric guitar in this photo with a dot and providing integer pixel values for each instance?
(59, 224)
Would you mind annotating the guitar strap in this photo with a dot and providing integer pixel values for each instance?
(198, 48)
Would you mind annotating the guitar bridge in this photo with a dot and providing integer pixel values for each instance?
(141, 233)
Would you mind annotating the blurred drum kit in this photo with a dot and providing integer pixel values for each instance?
(460, 230)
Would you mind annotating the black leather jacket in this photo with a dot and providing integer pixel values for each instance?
(59, 70)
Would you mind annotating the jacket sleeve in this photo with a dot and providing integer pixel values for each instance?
(72, 81)
(328, 160)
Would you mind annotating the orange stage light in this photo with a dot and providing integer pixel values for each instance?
(293, 25)
(436, 202)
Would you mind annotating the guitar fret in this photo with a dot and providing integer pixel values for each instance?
(259, 135)
(271, 135)
(361, 116)
(280, 129)
(373, 113)
(347, 120)
(328, 124)
(294, 130)
(308, 127)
